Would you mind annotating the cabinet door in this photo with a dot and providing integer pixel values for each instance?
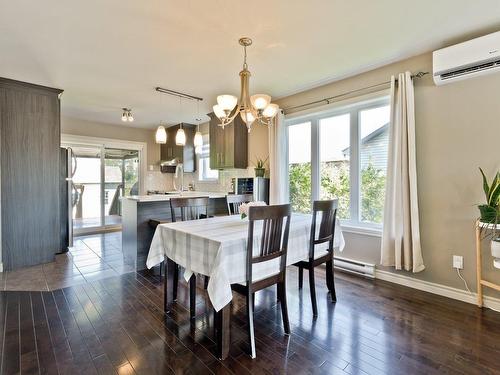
(214, 153)
(228, 146)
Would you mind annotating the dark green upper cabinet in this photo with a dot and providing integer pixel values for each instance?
(184, 154)
(228, 146)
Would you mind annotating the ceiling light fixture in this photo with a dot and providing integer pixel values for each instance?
(127, 115)
(253, 108)
(198, 138)
(161, 135)
(180, 136)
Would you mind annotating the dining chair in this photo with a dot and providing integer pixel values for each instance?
(275, 222)
(326, 233)
(188, 209)
(234, 202)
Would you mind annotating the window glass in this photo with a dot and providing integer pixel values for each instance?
(299, 166)
(204, 171)
(374, 142)
(334, 144)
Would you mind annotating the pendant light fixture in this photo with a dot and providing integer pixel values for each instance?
(161, 135)
(253, 108)
(198, 138)
(180, 136)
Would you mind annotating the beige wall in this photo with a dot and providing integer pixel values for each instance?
(458, 127)
(93, 129)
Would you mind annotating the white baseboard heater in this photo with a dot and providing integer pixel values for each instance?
(355, 267)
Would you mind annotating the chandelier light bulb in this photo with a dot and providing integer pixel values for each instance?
(130, 118)
(180, 137)
(260, 101)
(161, 135)
(227, 102)
(219, 112)
(248, 118)
(270, 111)
(198, 139)
(124, 117)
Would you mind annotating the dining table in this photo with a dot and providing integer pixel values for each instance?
(217, 247)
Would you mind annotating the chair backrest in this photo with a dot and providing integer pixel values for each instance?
(274, 236)
(234, 202)
(326, 233)
(191, 208)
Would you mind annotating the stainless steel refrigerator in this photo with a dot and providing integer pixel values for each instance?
(68, 196)
(261, 189)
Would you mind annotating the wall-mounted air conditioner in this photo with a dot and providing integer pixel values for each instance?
(466, 60)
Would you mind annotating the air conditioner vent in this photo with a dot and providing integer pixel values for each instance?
(472, 69)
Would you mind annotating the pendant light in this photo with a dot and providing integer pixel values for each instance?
(180, 136)
(161, 135)
(198, 138)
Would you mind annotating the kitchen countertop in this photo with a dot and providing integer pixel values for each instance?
(166, 197)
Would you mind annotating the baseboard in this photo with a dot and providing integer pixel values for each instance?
(442, 290)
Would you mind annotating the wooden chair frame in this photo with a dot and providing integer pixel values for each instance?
(328, 209)
(274, 244)
(234, 202)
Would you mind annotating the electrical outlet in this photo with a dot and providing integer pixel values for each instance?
(458, 262)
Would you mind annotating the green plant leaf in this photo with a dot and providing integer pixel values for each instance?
(486, 187)
(494, 192)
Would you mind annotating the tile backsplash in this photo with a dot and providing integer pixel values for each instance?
(155, 180)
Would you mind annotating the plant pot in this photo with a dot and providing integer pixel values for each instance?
(260, 172)
(495, 248)
(488, 213)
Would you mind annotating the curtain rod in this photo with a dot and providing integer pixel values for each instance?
(331, 98)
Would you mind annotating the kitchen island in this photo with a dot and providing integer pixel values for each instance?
(137, 210)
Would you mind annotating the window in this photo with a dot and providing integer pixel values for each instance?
(341, 154)
(204, 171)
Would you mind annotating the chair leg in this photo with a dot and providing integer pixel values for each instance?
(207, 278)
(251, 337)
(284, 308)
(175, 282)
(301, 277)
(330, 281)
(312, 291)
(192, 296)
(165, 288)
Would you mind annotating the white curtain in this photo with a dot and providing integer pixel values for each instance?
(401, 234)
(277, 160)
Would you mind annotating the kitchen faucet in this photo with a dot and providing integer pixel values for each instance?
(179, 168)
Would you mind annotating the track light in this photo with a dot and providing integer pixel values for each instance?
(127, 115)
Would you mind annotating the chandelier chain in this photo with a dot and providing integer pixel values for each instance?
(245, 66)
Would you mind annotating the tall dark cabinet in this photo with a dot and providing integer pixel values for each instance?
(30, 202)
(228, 146)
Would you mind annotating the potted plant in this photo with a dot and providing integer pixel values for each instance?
(490, 213)
(260, 169)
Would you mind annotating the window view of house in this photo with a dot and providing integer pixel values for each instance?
(334, 135)
(353, 173)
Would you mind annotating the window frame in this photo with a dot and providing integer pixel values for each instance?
(201, 175)
(354, 108)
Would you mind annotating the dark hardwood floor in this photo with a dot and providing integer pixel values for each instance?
(116, 325)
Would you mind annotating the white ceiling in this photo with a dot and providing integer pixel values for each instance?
(111, 54)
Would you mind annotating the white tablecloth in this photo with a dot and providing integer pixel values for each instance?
(217, 247)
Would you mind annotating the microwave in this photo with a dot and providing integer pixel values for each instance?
(257, 186)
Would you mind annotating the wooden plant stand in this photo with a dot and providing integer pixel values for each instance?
(480, 226)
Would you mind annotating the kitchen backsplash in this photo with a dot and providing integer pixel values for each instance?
(156, 180)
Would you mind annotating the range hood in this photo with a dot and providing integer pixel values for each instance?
(168, 166)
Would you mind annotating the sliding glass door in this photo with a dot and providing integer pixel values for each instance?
(103, 176)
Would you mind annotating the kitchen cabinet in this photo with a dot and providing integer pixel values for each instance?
(30, 178)
(228, 146)
(182, 154)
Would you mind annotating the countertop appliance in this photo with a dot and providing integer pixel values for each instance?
(258, 186)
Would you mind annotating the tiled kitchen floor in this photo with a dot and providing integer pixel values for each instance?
(91, 258)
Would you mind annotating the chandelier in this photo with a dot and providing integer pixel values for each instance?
(253, 108)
